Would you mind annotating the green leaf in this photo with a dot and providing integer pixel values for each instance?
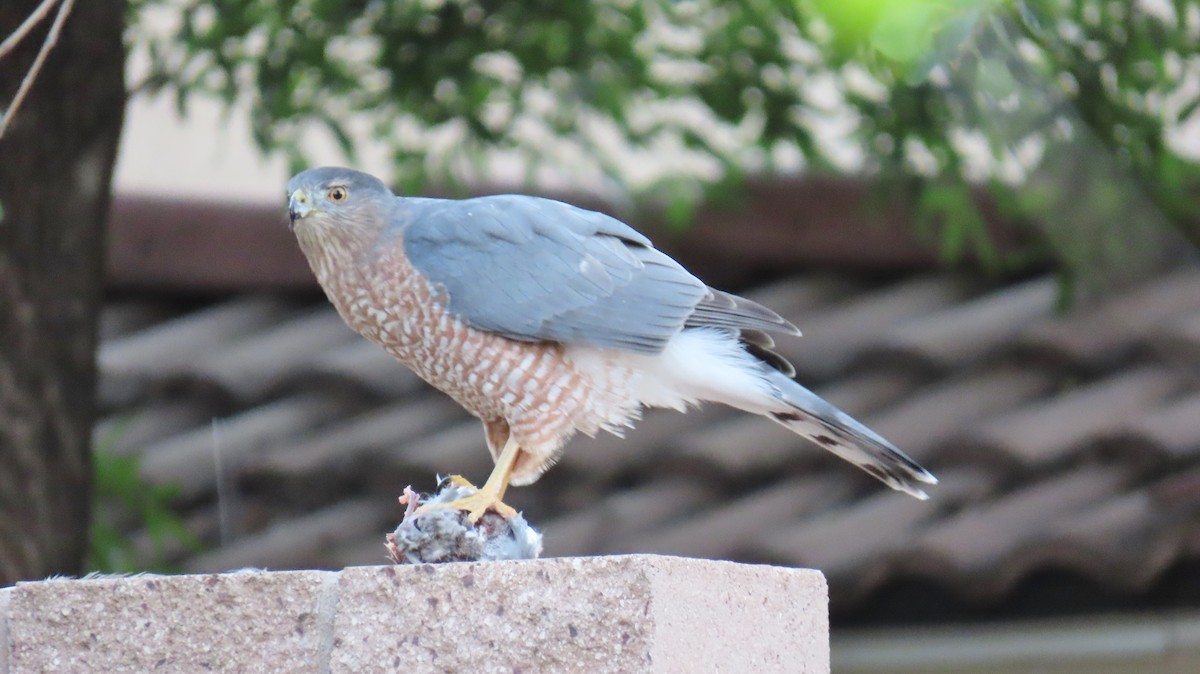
(679, 209)
(904, 30)
(122, 503)
(948, 211)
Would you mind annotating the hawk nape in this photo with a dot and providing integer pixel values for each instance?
(543, 320)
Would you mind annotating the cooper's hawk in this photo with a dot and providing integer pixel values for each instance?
(543, 320)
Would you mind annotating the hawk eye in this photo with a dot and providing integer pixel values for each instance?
(338, 194)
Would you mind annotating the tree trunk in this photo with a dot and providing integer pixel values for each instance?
(56, 164)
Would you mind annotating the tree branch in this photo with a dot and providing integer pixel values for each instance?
(27, 25)
(64, 10)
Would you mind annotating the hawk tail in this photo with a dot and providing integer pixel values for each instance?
(739, 369)
(807, 414)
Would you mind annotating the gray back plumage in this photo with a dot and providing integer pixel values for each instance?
(537, 269)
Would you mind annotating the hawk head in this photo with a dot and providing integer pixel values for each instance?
(334, 198)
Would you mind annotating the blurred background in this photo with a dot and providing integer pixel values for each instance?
(982, 214)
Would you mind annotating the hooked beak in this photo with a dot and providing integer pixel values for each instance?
(298, 207)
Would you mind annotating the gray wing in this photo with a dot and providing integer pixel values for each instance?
(536, 269)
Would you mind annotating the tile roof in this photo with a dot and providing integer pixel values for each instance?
(1062, 441)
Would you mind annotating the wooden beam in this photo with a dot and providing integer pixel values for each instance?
(159, 243)
(778, 226)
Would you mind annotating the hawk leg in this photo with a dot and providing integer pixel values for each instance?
(488, 497)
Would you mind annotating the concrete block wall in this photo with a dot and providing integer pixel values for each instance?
(636, 613)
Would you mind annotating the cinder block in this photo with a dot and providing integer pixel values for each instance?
(237, 622)
(637, 613)
(5, 599)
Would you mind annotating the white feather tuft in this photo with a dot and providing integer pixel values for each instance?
(698, 364)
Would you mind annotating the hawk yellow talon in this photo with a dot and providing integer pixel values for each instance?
(489, 496)
(460, 481)
(479, 503)
(476, 504)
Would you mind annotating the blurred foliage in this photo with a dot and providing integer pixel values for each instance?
(1062, 108)
(1045, 103)
(124, 502)
(439, 84)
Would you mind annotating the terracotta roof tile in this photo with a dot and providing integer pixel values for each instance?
(1095, 336)
(741, 444)
(130, 432)
(605, 455)
(864, 392)
(983, 546)
(1179, 492)
(122, 317)
(160, 354)
(302, 542)
(1069, 441)
(458, 448)
(360, 363)
(932, 417)
(964, 333)
(1179, 340)
(835, 336)
(273, 357)
(356, 441)
(1172, 428)
(1046, 431)
(739, 523)
(627, 512)
(1124, 542)
(795, 298)
(190, 460)
(852, 544)
(174, 345)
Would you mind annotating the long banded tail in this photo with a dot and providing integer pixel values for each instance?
(739, 369)
(813, 417)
